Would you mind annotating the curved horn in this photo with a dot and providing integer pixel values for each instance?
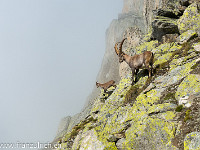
(120, 47)
(116, 50)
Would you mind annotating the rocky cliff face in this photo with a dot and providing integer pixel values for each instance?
(110, 67)
(161, 112)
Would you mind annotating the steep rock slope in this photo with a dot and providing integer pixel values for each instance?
(161, 112)
(110, 67)
(136, 14)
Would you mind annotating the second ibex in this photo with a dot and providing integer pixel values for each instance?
(137, 61)
(106, 85)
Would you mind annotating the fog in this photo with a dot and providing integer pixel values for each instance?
(50, 55)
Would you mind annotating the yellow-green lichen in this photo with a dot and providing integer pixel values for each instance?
(166, 19)
(149, 98)
(170, 48)
(163, 48)
(169, 115)
(187, 115)
(181, 61)
(146, 46)
(190, 85)
(192, 141)
(163, 59)
(190, 19)
(156, 131)
(110, 112)
(135, 90)
(186, 36)
(184, 70)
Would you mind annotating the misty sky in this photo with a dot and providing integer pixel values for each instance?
(50, 54)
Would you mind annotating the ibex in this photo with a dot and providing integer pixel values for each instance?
(137, 61)
(106, 85)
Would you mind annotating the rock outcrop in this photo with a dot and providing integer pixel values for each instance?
(157, 113)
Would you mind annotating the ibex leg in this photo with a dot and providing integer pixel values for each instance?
(133, 75)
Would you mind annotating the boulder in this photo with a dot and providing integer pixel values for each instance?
(188, 90)
(162, 27)
(196, 47)
(187, 36)
(190, 20)
(90, 141)
(192, 141)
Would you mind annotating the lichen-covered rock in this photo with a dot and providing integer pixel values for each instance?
(124, 69)
(119, 144)
(188, 88)
(139, 116)
(134, 37)
(145, 46)
(192, 141)
(190, 19)
(196, 47)
(163, 58)
(166, 48)
(147, 115)
(151, 133)
(90, 141)
(186, 36)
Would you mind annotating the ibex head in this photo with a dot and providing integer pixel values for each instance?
(119, 51)
(97, 84)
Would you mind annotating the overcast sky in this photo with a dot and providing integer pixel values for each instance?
(50, 54)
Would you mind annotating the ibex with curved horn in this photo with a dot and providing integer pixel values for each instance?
(106, 85)
(137, 61)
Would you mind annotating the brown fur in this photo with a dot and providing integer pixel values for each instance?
(137, 61)
(106, 85)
